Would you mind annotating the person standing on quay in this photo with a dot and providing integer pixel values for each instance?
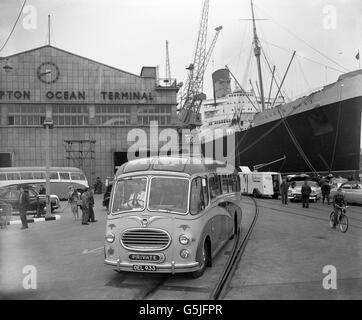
(23, 207)
(326, 190)
(85, 206)
(306, 191)
(91, 217)
(284, 187)
(73, 201)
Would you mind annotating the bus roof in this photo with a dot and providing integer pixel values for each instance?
(183, 164)
(22, 169)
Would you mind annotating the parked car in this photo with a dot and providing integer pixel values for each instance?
(294, 192)
(10, 195)
(352, 191)
(107, 195)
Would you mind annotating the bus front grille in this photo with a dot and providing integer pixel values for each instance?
(145, 239)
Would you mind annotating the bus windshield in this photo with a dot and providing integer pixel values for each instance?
(130, 195)
(169, 194)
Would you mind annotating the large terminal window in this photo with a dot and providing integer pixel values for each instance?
(161, 114)
(26, 114)
(70, 115)
(113, 115)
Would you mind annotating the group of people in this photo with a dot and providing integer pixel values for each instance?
(86, 203)
(338, 198)
(306, 190)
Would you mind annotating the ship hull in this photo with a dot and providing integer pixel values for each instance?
(329, 137)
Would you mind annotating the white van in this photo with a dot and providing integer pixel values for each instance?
(259, 184)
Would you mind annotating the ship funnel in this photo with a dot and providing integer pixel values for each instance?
(221, 82)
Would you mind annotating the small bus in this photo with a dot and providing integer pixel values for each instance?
(171, 214)
(60, 178)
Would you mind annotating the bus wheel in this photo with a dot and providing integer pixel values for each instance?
(255, 193)
(204, 263)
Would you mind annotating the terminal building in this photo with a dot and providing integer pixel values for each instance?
(94, 108)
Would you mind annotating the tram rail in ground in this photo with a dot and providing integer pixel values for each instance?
(239, 246)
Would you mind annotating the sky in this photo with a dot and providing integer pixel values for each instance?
(129, 34)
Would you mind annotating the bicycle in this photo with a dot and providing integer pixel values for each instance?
(342, 219)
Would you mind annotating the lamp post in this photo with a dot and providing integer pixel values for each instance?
(48, 124)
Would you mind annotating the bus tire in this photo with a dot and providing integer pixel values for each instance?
(205, 261)
(255, 193)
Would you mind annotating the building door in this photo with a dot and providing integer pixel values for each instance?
(5, 159)
(119, 158)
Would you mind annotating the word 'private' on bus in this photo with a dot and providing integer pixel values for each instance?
(171, 214)
(60, 178)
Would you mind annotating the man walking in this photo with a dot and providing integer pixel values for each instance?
(306, 191)
(326, 190)
(23, 207)
(284, 187)
(85, 206)
(91, 217)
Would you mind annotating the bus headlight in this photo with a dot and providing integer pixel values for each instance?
(184, 239)
(184, 254)
(110, 237)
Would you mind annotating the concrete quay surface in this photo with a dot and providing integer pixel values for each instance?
(288, 250)
(284, 259)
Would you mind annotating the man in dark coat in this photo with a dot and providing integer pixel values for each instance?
(23, 206)
(284, 187)
(91, 217)
(85, 206)
(326, 190)
(306, 191)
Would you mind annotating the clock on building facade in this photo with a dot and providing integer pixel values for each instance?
(48, 72)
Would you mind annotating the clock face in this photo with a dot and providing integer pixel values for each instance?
(48, 72)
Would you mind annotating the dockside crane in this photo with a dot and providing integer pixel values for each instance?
(192, 95)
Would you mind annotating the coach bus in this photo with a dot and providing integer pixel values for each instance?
(171, 214)
(60, 178)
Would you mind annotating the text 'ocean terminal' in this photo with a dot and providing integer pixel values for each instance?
(76, 95)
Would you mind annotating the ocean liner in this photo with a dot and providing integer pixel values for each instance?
(318, 133)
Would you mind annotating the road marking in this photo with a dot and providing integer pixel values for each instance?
(86, 251)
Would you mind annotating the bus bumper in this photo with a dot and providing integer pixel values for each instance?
(161, 268)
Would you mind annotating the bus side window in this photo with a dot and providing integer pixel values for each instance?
(64, 175)
(53, 176)
(224, 183)
(236, 183)
(214, 186)
(205, 191)
(197, 203)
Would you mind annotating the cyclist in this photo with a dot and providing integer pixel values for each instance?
(338, 200)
